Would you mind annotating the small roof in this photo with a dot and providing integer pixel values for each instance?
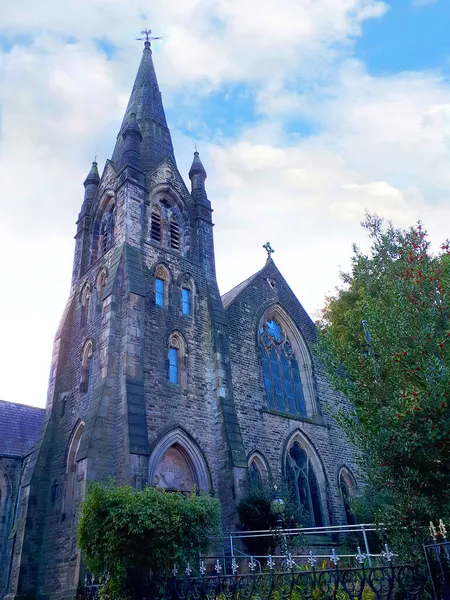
(228, 298)
(19, 427)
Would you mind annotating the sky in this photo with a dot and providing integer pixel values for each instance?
(305, 113)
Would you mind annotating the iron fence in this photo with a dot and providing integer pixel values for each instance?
(285, 580)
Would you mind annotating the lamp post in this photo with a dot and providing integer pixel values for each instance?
(278, 507)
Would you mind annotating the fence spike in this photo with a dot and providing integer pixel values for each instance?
(442, 529)
(217, 567)
(433, 531)
(334, 557)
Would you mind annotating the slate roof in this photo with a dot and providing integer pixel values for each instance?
(228, 298)
(146, 103)
(19, 427)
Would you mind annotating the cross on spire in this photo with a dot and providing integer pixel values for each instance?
(148, 37)
(268, 248)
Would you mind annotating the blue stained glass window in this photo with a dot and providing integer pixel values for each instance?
(298, 388)
(281, 373)
(288, 390)
(159, 292)
(173, 365)
(186, 301)
(277, 380)
(274, 330)
(267, 377)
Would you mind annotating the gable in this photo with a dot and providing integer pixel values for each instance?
(262, 290)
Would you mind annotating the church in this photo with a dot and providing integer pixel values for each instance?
(156, 379)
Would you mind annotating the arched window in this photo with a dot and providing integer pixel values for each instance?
(86, 367)
(100, 286)
(304, 483)
(258, 471)
(70, 496)
(161, 286)
(347, 486)
(174, 233)
(187, 295)
(107, 226)
(177, 359)
(84, 301)
(155, 227)
(281, 371)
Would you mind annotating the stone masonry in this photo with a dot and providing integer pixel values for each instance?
(143, 295)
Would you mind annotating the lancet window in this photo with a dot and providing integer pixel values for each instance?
(106, 239)
(177, 359)
(86, 367)
(161, 286)
(281, 371)
(303, 478)
(84, 301)
(165, 224)
(347, 486)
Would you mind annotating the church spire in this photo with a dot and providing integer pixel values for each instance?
(146, 104)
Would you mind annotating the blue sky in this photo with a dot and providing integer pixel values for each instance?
(306, 113)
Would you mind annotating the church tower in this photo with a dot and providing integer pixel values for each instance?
(140, 382)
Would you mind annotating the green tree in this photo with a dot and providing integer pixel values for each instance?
(385, 341)
(124, 534)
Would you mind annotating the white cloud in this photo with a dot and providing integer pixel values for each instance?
(380, 143)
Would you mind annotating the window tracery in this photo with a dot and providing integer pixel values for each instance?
(282, 380)
(304, 483)
(165, 224)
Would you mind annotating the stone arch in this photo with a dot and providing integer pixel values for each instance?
(71, 463)
(178, 445)
(100, 284)
(73, 446)
(87, 355)
(177, 356)
(85, 296)
(103, 225)
(162, 274)
(171, 208)
(318, 500)
(186, 283)
(347, 487)
(258, 466)
(300, 349)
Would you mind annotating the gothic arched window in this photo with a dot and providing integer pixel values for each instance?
(155, 227)
(177, 359)
(161, 286)
(174, 233)
(86, 367)
(84, 301)
(258, 471)
(281, 371)
(347, 486)
(70, 496)
(304, 483)
(107, 229)
(100, 285)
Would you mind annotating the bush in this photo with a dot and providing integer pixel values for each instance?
(125, 535)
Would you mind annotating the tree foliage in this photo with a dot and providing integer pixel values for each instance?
(125, 534)
(256, 514)
(385, 341)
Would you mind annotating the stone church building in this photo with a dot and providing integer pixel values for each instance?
(155, 378)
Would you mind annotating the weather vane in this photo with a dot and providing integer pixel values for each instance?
(148, 36)
(268, 248)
